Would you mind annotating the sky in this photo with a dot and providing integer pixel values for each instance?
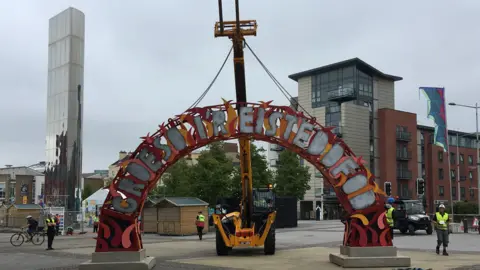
(146, 61)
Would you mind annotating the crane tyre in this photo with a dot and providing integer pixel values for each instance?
(222, 249)
(269, 245)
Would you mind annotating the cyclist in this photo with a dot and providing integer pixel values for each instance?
(32, 226)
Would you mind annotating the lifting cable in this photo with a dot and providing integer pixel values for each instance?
(213, 81)
(277, 83)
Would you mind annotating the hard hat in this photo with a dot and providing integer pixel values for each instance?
(390, 200)
(29, 216)
(441, 206)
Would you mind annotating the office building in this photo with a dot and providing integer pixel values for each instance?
(346, 95)
(64, 109)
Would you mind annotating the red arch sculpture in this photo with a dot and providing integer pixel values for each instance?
(197, 127)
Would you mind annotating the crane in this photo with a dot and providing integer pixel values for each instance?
(248, 227)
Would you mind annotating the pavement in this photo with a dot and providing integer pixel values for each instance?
(305, 247)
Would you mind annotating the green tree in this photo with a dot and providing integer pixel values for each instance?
(176, 181)
(261, 175)
(87, 191)
(291, 178)
(212, 175)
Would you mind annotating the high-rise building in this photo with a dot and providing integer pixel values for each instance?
(64, 109)
(346, 95)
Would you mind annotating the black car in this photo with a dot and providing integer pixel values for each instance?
(409, 216)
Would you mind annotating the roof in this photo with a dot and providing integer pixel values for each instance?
(93, 176)
(179, 201)
(22, 170)
(27, 206)
(116, 163)
(354, 61)
(450, 132)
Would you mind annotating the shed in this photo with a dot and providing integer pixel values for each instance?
(173, 215)
(18, 212)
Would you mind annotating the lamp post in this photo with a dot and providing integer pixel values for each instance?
(477, 145)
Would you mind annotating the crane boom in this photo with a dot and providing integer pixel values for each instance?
(236, 31)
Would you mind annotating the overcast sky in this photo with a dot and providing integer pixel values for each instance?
(146, 61)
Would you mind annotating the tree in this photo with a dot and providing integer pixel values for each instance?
(176, 181)
(261, 175)
(87, 191)
(291, 178)
(212, 175)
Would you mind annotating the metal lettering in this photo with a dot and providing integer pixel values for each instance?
(138, 171)
(246, 117)
(165, 148)
(176, 138)
(318, 143)
(333, 155)
(200, 127)
(129, 186)
(259, 122)
(272, 120)
(218, 121)
(128, 205)
(149, 160)
(291, 120)
(363, 200)
(302, 137)
(345, 167)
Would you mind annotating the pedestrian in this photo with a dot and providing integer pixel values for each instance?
(50, 223)
(95, 224)
(57, 224)
(441, 221)
(200, 223)
(389, 213)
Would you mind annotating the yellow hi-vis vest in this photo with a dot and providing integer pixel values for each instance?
(442, 221)
(389, 215)
(48, 220)
(201, 218)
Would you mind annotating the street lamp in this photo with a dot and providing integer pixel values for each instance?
(477, 145)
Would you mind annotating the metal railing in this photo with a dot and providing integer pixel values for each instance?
(341, 93)
(404, 155)
(404, 136)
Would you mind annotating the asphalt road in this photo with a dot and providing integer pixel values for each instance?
(174, 252)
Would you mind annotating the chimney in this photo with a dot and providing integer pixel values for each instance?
(122, 155)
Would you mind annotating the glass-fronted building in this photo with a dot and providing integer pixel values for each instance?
(64, 109)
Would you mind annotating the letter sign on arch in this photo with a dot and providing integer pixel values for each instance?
(197, 127)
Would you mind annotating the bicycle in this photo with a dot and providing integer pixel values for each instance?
(37, 238)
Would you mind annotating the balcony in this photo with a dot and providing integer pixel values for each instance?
(341, 94)
(276, 147)
(404, 155)
(404, 174)
(404, 136)
(463, 178)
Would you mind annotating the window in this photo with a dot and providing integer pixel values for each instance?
(470, 160)
(365, 84)
(42, 189)
(422, 139)
(470, 175)
(454, 192)
(335, 80)
(462, 193)
(452, 174)
(2, 191)
(441, 191)
(452, 158)
(440, 174)
(472, 193)
(461, 159)
(440, 156)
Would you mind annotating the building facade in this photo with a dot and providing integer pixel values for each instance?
(20, 185)
(64, 109)
(346, 95)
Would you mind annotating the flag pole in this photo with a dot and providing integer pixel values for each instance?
(447, 147)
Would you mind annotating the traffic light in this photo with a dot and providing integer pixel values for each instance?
(388, 188)
(420, 186)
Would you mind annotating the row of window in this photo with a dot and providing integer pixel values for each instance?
(441, 192)
(453, 175)
(452, 140)
(453, 160)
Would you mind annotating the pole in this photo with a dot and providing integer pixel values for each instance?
(450, 180)
(478, 155)
(458, 169)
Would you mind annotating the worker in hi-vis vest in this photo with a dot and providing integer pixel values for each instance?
(200, 222)
(441, 221)
(389, 215)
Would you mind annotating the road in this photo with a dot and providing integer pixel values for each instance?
(304, 247)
